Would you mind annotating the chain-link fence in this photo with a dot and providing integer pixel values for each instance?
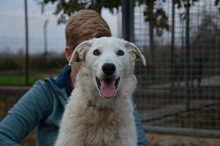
(179, 90)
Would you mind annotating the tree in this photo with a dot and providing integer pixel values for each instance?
(157, 19)
(217, 2)
(155, 15)
(65, 8)
(203, 44)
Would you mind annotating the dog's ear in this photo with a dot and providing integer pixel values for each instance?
(135, 52)
(79, 52)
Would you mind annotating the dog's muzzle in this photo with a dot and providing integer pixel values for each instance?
(108, 83)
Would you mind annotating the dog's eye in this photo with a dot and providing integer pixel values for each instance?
(120, 53)
(96, 52)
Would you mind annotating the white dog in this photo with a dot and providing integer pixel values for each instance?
(99, 111)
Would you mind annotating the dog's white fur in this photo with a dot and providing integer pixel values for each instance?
(89, 118)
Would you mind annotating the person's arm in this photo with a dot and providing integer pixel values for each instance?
(24, 116)
(142, 141)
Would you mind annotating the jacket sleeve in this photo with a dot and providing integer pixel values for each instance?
(142, 141)
(24, 116)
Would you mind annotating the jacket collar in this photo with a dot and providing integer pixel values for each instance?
(63, 80)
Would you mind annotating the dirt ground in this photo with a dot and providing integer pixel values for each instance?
(8, 100)
(178, 140)
(158, 140)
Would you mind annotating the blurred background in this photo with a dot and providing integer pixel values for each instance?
(178, 93)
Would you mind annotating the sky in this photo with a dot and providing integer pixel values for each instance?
(12, 27)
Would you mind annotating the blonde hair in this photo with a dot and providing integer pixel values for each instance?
(85, 25)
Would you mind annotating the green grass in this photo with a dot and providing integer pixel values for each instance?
(17, 79)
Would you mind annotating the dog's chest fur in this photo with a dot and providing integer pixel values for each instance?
(99, 126)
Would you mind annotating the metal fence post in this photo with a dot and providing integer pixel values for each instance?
(128, 20)
(172, 47)
(45, 41)
(26, 44)
(187, 59)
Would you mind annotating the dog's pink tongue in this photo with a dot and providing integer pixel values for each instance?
(107, 89)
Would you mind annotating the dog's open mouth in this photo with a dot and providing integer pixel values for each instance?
(107, 86)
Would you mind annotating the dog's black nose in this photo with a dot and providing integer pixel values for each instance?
(108, 68)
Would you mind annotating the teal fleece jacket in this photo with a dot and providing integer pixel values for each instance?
(42, 107)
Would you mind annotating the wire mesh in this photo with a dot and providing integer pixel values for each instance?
(180, 89)
(177, 90)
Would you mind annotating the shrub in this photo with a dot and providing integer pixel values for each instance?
(11, 63)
